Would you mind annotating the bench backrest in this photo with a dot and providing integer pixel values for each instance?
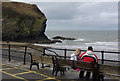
(41, 59)
(46, 59)
(65, 62)
(84, 65)
(37, 58)
(75, 64)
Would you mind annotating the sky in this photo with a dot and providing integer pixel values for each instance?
(80, 15)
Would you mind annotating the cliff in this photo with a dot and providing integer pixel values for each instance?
(23, 22)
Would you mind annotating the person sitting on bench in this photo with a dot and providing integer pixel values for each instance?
(88, 56)
(75, 55)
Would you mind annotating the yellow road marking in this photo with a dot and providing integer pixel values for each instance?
(28, 72)
(45, 79)
(14, 76)
(22, 73)
(41, 74)
(7, 69)
(48, 79)
(16, 67)
(3, 64)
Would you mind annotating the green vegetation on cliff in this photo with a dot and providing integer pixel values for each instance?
(23, 22)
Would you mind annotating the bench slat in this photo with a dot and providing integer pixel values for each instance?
(46, 59)
(65, 62)
(110, 70)
(37, 58)
(84, 65)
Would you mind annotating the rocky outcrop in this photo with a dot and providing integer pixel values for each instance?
(23, 22)
(62, 38)
(56, 41)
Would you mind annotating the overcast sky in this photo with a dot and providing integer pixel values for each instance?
(80, 15)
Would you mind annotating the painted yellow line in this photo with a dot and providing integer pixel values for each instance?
(48, 79)
(41, 74)
(32, 72)
(28, 70)
(16, 67)
(3, 64)
(7, 68)
(22, 73)
(45, 79)
(14, 76)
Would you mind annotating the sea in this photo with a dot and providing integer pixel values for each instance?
(106, 40)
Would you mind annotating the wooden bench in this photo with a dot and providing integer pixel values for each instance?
(94, 68)
(60, 65)
(110, 70)
(36, 59)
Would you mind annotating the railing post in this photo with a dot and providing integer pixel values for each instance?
(44, 51)
(102, 62)
(9, 52)
(31, 57)
(25, 54)
(43, 55)
(102, 57)
(65, 53)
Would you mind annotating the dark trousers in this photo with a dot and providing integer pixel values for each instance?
(81, 75)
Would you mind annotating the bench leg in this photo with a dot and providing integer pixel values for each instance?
(81, 74)
(30, 66)
(102, 78)
(96, 77)
(34, 63)
(42, 66)
(54, 69)
(62, 69)
(63, 73)
(56, 72)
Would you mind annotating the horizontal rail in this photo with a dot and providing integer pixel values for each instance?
(35, 49)
(14, 45)
(112, 60)
(22, 46)
(82, 50)
(65, 50)
(57, 48)
(15, 51)
(52, 51)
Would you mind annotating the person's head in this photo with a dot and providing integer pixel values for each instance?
(77, 52)
(90, 48)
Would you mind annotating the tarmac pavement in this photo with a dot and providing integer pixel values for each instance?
(17, 71)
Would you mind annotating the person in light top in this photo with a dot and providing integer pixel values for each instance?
(88, 56)
(75, 55)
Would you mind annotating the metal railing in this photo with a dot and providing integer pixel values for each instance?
(51, 50)
(9, 46)
(102, 54)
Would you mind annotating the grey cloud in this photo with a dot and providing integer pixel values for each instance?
(59, 11)
(81, 15)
